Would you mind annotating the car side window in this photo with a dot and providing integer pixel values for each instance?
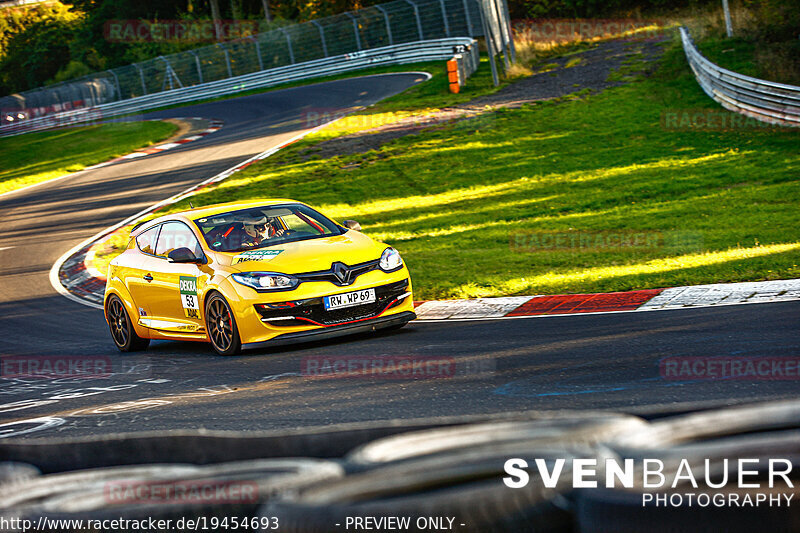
(176, 235)
(146, 241)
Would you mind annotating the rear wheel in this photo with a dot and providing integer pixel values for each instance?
(122, 331)
(221, 326)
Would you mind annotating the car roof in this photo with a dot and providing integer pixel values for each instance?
(200, 212)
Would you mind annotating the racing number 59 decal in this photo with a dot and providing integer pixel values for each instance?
(189, 299)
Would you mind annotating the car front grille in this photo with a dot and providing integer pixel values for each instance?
(340, 274)
(312, 310)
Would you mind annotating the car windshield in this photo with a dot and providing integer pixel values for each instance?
(261, 227)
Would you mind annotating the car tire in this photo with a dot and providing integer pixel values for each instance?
(224, 339)
(121, 327)
(468, 489)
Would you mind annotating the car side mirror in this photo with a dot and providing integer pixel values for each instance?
(183, 255)
(352, 224)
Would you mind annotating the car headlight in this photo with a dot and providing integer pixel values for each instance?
(390, 260)
(269, 281)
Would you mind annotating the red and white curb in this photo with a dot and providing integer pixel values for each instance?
(614, 302)
(214, 125)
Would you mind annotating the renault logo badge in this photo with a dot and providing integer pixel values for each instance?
(342, 273)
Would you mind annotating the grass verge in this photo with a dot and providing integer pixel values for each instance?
(502, 205)
(39, 156)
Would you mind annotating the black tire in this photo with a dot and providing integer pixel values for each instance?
(122, 332)
(13, 472)
(221, 326)
(580, 429)
(467, 488)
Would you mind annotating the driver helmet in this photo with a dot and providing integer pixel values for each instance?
(255, 223)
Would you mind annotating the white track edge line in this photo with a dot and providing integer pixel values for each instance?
(684, 308)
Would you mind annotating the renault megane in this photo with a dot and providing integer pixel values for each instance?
(249, 274)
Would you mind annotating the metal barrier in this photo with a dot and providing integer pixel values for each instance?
(433, 50)
(386, 25)
(775, 103)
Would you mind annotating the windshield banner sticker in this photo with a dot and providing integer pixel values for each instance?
(188, 287)
(255, 255)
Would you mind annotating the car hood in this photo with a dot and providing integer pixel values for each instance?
(305, 256)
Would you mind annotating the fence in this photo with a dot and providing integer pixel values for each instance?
(386, 25)
(766, 101)
(464, 48)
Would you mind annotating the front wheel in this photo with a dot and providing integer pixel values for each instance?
(221, 326)
(122, 331)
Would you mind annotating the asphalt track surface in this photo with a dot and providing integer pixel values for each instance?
(592, 361)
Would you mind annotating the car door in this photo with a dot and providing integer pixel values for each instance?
(134, 273)
(175, 289)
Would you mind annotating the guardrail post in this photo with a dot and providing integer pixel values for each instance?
(509, 31)
(728, 25)
(355, 29)
(466, 15)
(321, 36)
(197, 62)
(388, 25)
(289, 44)
(419, 22)
(141, 77)
(167, 77)
(258, 53)
(116, 82)
(444, 18)
(227, 59)
(489, 40)
(501, 28)
(169, 73)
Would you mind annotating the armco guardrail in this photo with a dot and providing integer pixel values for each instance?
(389, 24)
(433, 50)
(766, 101)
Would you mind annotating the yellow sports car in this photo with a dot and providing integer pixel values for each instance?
(242, 274)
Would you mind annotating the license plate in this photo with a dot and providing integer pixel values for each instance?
(349, 299)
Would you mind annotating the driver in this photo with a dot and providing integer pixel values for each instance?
(256, 228)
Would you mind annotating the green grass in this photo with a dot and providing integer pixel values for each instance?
(36, 157)
(455, 200)
(766, 60)
(734, 54)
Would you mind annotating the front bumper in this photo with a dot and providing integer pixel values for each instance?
(311, 311)
(365, 326)
(254, 311)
